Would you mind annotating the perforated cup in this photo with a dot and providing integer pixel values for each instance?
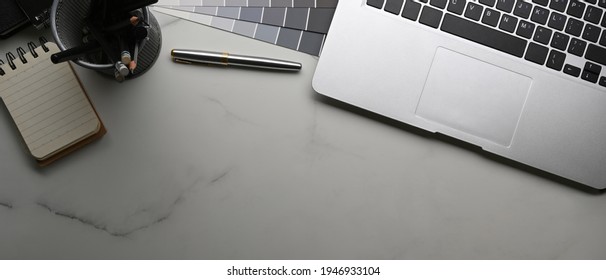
(67, 24)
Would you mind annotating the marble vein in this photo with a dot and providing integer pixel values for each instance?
(6, 205)
(126, 233)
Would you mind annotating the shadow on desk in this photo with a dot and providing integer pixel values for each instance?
(456, 142)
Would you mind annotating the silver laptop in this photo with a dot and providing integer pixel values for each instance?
(523, 80)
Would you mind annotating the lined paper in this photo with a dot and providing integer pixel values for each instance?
(47, 104)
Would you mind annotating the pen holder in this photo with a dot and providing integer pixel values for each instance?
(69, 27)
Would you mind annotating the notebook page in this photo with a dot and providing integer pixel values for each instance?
(47, 104)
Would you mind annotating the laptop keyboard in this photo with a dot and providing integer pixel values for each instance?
(544, 32)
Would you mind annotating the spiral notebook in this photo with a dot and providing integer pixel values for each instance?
(47, 103)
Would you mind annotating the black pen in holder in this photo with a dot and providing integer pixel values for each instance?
(97, 34)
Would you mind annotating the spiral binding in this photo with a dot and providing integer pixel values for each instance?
(10, 57)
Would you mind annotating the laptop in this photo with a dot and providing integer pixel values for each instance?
(522, 80)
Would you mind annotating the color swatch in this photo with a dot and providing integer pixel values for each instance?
(308, 19)
(252, 3)
(299, 40)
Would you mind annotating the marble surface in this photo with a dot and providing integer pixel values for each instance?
(224, 163)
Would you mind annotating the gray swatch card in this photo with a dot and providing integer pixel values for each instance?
(295, 39)
(300, 25)
(308, 19)
(252, 3)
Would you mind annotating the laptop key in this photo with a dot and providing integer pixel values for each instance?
(522, 9)
(474, 11)
(539, 15)
(536, 53)
(555, 60)
(505, 5)
(560, 41)
(558, 5)
(592, 67)
(456, 6)
(375, 3)
(593, 14)
(430, 17)
(491, 17)
(572, 70)
(574, 27)
(542, 35)
(591, 33)
(576, 8)
(411, 10)
(542, 2)
(590, 77)
(483, 35)
(577, 47)
(602, 81)
(557, 21)
(525, 29)
(603, 38)
(508, 23)
(438, 3)
(596, 54)
(489, 3)
(394, 6)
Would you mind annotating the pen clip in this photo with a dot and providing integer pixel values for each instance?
(181, 61)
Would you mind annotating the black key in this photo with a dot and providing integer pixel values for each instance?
(484, 35)
(505, 5)
(602, 3)
(525, 29)
(558, 5)
(430, 17)
(592, 67)
(574, 27)
(603, 40)
(572, 70)
(539, 15)
(508, 23)
(473, 11)
(603, 24)
(590, 77)
(456, 6)
(602, 81)
(593, 14)
(591, 33)
(536, 53)
(596, 54)
(411, 10)
(542, 35)
(375, 3)
(394, 6)
(592, 1)
(555, 60)
(542, 2)
(577, 47)
(560, 41)
(488, 2)
(557, 21)
(522, 9)
(576, 8)
(491, 17)
(438, 3)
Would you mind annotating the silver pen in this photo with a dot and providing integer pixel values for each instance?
(195, 56)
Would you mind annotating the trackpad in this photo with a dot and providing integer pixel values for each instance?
(473, 96)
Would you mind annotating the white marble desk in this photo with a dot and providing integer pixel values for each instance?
(224, 163)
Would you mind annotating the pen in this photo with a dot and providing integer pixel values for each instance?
(194, 56)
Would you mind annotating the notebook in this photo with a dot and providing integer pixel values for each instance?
(47, 103)
(523, 80)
